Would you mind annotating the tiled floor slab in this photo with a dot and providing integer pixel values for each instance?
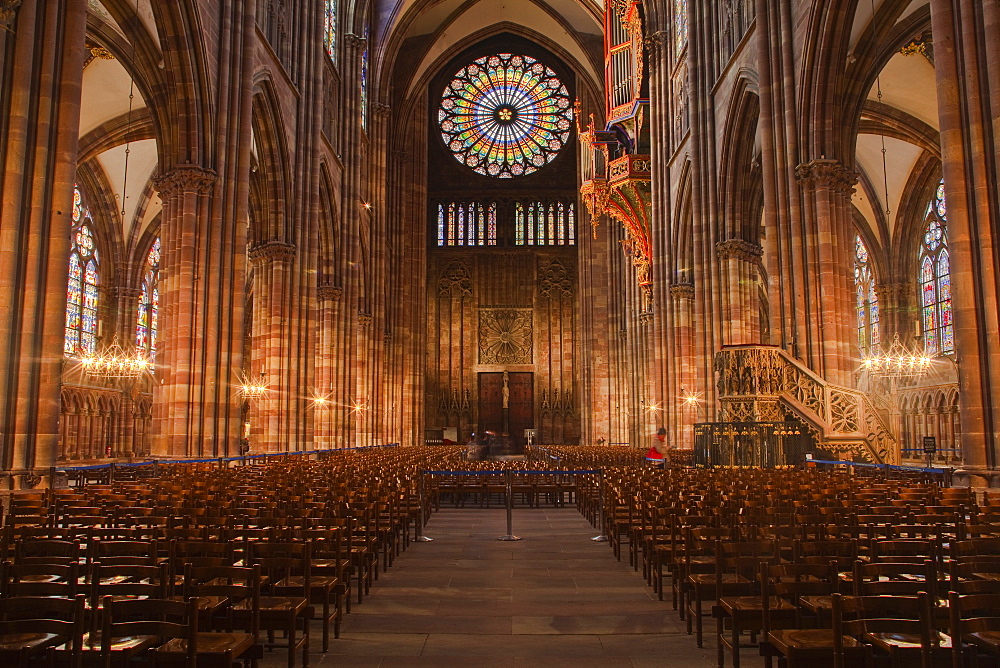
(553, 599)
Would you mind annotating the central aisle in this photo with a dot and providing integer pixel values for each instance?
(555, 598)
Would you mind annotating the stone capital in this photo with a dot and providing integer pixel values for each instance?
(8, 12)
(826, 174)
(682, 291)
(738, 249)
(381, 110)
(364, 319)
(185, 179)
(271, 250)
(355, 41)
(329, 293)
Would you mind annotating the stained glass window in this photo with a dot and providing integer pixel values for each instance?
(82, 294)
(866, 298)
(935, 279)
(330, 28)
(149, 303)
(505, 115)
(467, 224)
(680, 25)
(544, 224)
(364, 82)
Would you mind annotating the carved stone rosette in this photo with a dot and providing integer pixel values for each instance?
(505, 336)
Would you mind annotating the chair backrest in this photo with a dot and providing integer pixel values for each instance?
(856, 616)
(39, 579)
(61, 617)
(164, 618)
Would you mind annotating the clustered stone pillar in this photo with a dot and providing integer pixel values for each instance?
(42, 54)
(967, 64)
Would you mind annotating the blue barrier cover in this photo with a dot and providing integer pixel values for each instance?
(921, 469)
(93, 467)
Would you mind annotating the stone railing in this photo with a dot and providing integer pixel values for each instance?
(762, 383)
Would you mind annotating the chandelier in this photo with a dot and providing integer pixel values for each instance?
(898, 361)
(114, 362)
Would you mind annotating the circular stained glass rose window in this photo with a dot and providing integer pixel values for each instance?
(505, 115)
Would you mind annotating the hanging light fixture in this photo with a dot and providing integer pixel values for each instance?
(114, 362)
(253, 388)
(898, 361)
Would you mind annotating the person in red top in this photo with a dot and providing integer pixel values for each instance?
(658, 449)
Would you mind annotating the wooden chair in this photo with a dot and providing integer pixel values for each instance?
(134, 628)
(899, 628)
(35, 626)
(975, 627)
(279, 612)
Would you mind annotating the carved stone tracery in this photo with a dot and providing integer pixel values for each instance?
(455, 281)
(505, 336)
(555, 280)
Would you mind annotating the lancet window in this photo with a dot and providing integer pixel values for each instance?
(935, 279)
(467, 224)
(867, 299)
(82, 295)
(330, 27)
(544, 224)
(149, 304)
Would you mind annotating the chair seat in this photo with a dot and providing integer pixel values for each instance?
(15, 642)
(298, 582)
(904, 640)
(231, 644)
(802, 640)
(92, 643)
(273, 604)
(753, 604)
(710, 579)
(987, 640)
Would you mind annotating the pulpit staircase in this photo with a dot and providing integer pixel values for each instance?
(764, 383)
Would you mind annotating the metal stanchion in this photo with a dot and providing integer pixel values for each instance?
(510, 509)
(420, 537)
(601, 538)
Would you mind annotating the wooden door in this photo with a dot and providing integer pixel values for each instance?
(520, 414)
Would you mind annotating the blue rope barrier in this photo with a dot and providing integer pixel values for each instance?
(894, 467)
(238, 458)
(513, 471)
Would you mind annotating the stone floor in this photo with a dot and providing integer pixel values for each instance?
(553, 599)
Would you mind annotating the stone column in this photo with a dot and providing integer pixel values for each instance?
(967, 65)
(826, 187)
(41, 56)
(739, 267)
(273, 263)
